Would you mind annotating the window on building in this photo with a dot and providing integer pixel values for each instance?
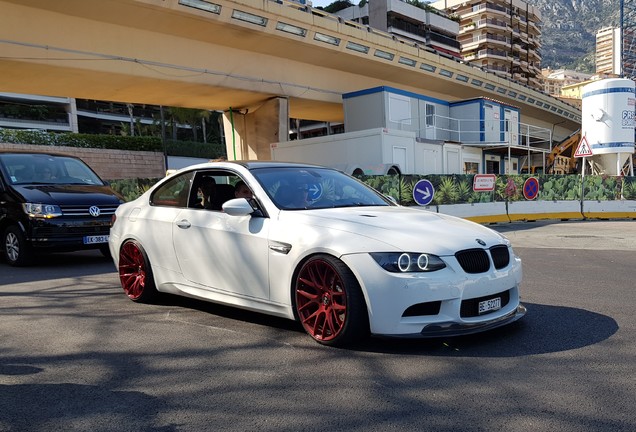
(471, 168)
(430, 115)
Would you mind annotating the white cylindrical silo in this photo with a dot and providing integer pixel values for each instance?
(608, 121)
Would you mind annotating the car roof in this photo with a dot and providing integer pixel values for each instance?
(252, 164)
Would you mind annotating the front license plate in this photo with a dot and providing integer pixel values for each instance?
(96, 239)
(489, 305)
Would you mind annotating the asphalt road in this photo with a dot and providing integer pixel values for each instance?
(76, 354)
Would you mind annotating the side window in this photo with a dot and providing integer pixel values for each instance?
(212, 188)
(174, 192)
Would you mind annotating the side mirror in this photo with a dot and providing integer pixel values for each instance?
(238, 207)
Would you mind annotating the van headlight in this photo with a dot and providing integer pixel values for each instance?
(408, 262)
(45, 211)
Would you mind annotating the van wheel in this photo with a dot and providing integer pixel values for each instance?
(105, 251)
(16, 249)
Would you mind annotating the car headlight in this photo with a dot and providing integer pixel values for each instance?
(45, 211)
(406, 262)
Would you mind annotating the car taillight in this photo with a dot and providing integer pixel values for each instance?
(112, 220)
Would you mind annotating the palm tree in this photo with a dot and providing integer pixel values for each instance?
(192, 117)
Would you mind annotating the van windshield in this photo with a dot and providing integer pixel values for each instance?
(24, 169)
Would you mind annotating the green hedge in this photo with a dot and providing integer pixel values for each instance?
(458, 189)
(131, 189)
(115, 142)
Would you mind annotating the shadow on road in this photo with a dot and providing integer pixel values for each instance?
(57, 266)
(77, 407)
(545, 329)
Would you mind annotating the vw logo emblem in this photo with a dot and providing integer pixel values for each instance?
(481, 242)
(94, 211)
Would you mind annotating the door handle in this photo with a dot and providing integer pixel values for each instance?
(184, 224)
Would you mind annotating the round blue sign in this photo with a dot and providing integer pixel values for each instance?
(423, 192)
(531, 188)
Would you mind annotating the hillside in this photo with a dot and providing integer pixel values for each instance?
(569, 29)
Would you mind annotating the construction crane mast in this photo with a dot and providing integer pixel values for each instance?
(628, 39)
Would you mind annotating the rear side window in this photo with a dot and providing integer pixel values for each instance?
(174, 192)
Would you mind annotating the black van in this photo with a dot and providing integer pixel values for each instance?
(52, 203)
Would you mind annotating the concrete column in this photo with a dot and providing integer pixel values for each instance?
(378, 14)
(249, 134)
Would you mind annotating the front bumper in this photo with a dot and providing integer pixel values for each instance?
(445, 329)
(67, 234)
(440, 303)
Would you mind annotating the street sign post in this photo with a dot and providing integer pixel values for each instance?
(583, 150)
(423, 192)
(531, 188)
(484, 182)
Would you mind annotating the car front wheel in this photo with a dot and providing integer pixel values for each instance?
(135, 273)
(16, 249)
(329, 302)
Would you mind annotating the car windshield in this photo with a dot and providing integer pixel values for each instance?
(43, 169)
(296, 188)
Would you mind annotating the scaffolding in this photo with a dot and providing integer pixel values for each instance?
(628, 39)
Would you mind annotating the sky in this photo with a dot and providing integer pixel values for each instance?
(323, 3)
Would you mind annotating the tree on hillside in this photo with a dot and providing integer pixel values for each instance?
(337, 6)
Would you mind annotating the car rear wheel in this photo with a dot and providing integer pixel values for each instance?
(135, 273)
(16, 249)
(329, 302)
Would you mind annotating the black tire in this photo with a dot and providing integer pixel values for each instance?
(329, 303)
(105, 250)
(135, 273)
(17, 250)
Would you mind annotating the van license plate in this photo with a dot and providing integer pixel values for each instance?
(489, 305)
(96, 239)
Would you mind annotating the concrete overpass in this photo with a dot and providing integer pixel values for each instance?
(266, 60)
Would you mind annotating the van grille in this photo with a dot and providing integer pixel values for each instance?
(82, 210)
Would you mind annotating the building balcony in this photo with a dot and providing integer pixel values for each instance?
(445, 40)
(493, 24)
(491, 41)
(59, 124)
(493, 54)
(478, 10)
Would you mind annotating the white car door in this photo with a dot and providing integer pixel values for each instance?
(223, 252)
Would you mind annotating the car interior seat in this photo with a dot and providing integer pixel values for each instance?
(224, 192)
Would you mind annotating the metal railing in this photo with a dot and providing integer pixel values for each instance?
(495, 132)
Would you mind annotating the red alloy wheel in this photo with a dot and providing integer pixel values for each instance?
(321, 300)
(133, 271)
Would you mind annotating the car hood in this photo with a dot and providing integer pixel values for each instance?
(68, 194)
(405, 229)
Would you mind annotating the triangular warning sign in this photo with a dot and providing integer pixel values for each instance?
(583, 149)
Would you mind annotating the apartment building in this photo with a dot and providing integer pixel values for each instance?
(502, 36)
(608, 48)
(555, 79)
(424, 25)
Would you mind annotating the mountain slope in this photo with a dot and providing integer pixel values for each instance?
(569, 30)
